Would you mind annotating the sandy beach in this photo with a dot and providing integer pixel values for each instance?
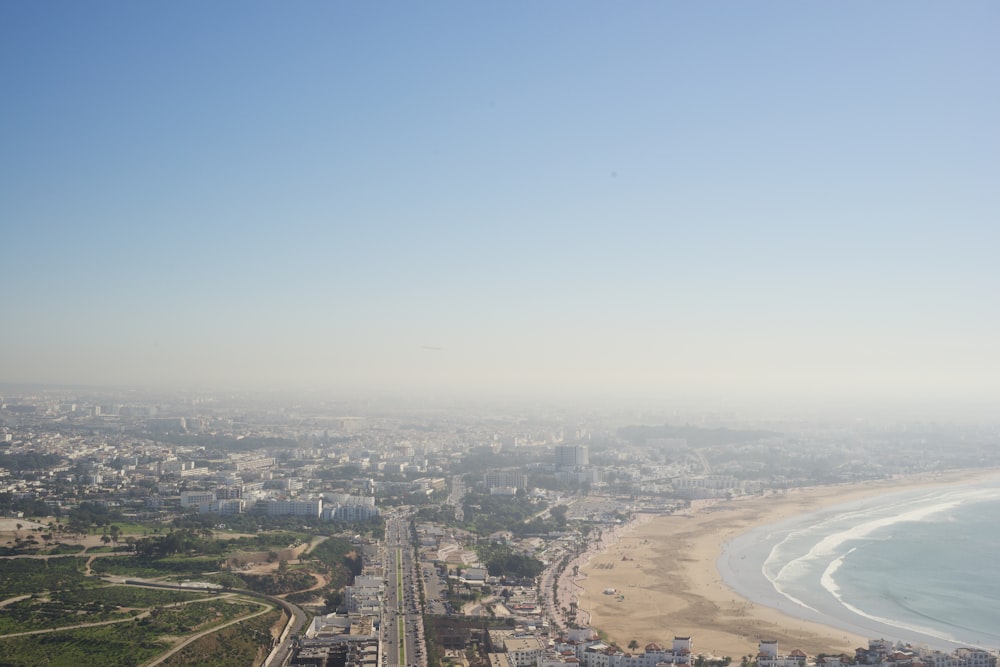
(666, 582)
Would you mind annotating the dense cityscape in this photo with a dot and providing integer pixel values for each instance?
(540, 334)
(207, 529)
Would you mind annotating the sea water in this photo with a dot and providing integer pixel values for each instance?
(919, 566)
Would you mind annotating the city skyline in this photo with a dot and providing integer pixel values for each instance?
(768, 205)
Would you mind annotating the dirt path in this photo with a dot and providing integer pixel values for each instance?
(4, 603)
(321, 581)
(316, 541)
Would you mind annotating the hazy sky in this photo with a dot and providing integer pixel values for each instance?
(727, 200)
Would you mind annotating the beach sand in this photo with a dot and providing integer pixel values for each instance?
(667, 584)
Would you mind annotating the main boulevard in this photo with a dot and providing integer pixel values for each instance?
(402, 631)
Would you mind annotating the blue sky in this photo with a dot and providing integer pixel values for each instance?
(721, 201)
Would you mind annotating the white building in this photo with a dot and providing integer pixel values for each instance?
(197, 498)
(595, 653)
(365, 595)
(310, 508)
(354, 513)
(768, 656)
(225, 506)
(524, 650)
(504, 479)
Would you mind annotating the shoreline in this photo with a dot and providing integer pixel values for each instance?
(667, 582)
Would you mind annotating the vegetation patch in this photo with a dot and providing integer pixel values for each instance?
(485, 514)
(20, 576)
(278, 583)
(341, 560)
(126, 596)
(196, 616)
(142, 566)
(62, 548)
(149, 620)
(86, 605)
(118, 645)
(502, 561)
(246, 643)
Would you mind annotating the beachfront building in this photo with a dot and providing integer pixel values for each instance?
(595, 653)
(768, 656)
(975, 657)
(680, 652)
(877, 650)
(940, 659)
(884, 653)
(707, 486)
(524, 650)
(553, 659)
(834, 661)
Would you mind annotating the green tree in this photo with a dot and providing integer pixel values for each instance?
(333, 600)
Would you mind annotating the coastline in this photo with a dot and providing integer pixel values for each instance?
(667, 582)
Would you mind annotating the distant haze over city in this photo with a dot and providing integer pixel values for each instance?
(773, 208)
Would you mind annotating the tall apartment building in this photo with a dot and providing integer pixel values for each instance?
(572, 456)
(503, 479)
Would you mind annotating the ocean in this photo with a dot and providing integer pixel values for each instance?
(920, 566)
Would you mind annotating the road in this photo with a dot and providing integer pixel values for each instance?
(456, 496)
(402, 618)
